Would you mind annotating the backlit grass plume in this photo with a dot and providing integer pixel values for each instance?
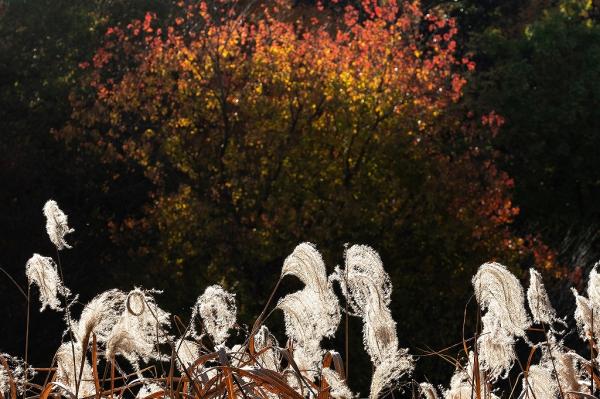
(307, 264)
(42, 271)
(338, 387)
(57, 225)
(463, 383)
(368, 289)
(100, 315)
(187, 353)
(139, 330)
(69, 359)
(500, 294)
(265, 345)
(312, 313)
(216, 307)
(538, 300)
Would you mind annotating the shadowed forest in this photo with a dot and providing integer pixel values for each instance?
(198, 143)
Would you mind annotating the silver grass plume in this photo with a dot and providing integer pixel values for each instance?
(556, 373)
(100, 315)
(587, 315)
(266, 345)
(368, 288)
(428, 391)
(499, 292)
(42, 271)
(18, 371)
(539, 382)
(586, 321)
(462, 383)
(306, 263)
(538, 300)
(139, 330)
(67, 371)
(593, 288)
(571, 376)
(364, 282)
(338, 387)
(496, 348)
(218, 311)
(312, 313)
(56, 225)
(304, 328)
(187, 353)
(500, 295)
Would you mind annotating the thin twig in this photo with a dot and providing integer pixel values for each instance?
(15, 283)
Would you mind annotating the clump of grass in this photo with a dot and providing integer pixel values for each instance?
(124, 345)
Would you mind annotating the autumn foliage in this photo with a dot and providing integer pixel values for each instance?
(259, 126)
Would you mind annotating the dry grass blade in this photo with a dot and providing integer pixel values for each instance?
(46, 391)
(477, 375)
(271, 380)
(338, 363)
(260, 318)
(157, 394)
(95, 365)
(84, 347)
(290, 359)
(227, 370)
(11, 380)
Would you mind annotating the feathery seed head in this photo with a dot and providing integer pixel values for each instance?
(100, 315)
(569, 372)
(539, 302)
(42, 271)
(266, 344)
(390, 370)
(461, 383)
(338, 387)
(364, 281)
(140, 328)
(500, 295)
(68, 362)
(56, 224)
(312, 313)
(499, 292)
(593, 288)
(586, 318)
(496, 348)
(218, 311)
(540, 383)
(305, 327)
(187, 353)
(368, 289)
(307, 264)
